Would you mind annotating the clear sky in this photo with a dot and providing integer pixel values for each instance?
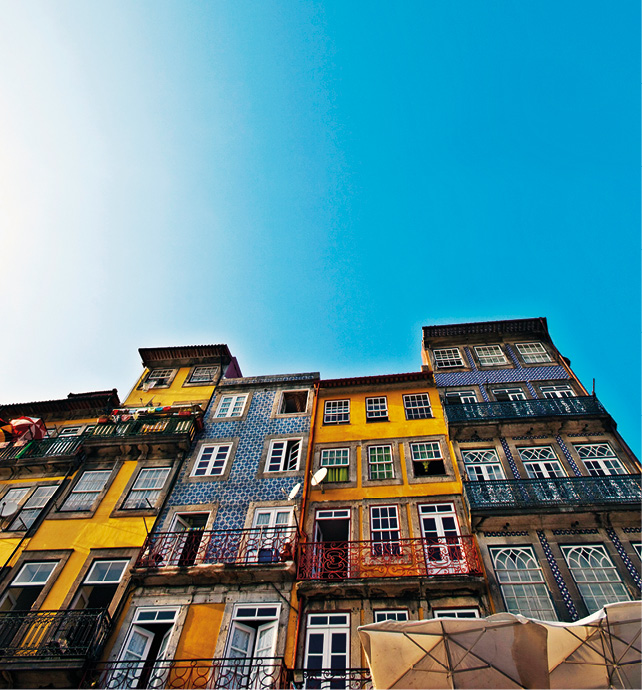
(312, 182)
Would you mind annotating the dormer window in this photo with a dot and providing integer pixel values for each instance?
(490, 355)
(447, 358)
(159, 377)
(203, 375)
(533, 353)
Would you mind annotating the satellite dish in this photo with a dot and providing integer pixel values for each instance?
(295, 490)
(319, 476)
(8, 508)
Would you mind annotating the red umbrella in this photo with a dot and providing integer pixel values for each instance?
(29, 428)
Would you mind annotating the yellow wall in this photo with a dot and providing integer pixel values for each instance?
(397, 427)
(200, 631)
(175, 393)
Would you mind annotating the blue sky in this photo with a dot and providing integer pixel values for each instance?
(312, 182)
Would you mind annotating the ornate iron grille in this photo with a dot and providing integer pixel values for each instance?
(256, 673)
(516, 409)
(46, 447)
(327, 678)
(53, 634)
(339, 560)
(497, 495)
(258, 546)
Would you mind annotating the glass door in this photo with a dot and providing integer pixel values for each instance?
(440, 531)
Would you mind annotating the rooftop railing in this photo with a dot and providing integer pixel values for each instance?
(243, 547)
(519, 409)
(257, 673)
(71, 634)
(553, 494)
(340, 560)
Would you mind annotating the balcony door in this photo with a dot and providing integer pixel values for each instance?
(327, 651)
(442, 543)
(332, 549)
(184, 543)
(270, 538)
(143, 661)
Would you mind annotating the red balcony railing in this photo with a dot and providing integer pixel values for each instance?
(259, 673)
(339, 560)
(252, 547)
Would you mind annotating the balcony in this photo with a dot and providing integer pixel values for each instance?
(151, 427)
(585, 406)
(553, 495)
(326, 678)
(45, 448)
(63, 636)
(431, 558)
(255, 673)
(256, 547)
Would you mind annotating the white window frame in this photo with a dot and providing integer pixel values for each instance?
(599, 462)
(377, 408)
(340, 461)
(541, 462)
(599, 582)
(157, 490)
(417, 406)
(67, 431)
(84, 494)
(377, 463)
(513, 393)
(533, 353)
(524, 585)
(32, 582)
(106, 581)
(390, 615)
(335, 624)
(32, 507)
(490, 355)
(431, 450)
(447, 358)
(460, 613)
(284, 454)
(385, 529)
(197, 374)
(296, 391)
(557, 391)
(234, 408)
(160, 376)
(460, 394)
(336, 411)
(216, 464)
(484, 464)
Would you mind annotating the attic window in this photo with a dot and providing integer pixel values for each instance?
(203, 374)
(293, 402)
(159, 377)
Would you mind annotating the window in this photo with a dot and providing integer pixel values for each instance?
(14, 496)
(271, 537)
(32, 507)
(203, 375)
(482, 464)
(100, 585)
(159, 377)
(456, 613)
(440, 533)
(448, 357)
(231, 406)
(460, 397)
(284, 455)
(293, 402)
(541, 462)
(522, 583)
(336, 460)
(336, 412)
(595, 575)
(384, 531)
(146, 490)
(376, 409)
(417, 406)
(490, 355)
(532, 353)
(86, 490)
(599, 459)
(426, 459)
(505, 394)
(563, 391)
(70, 431)
(212, 460)
(327, 650)
(638, 548)
(26, 587)
(380, 462)
(390, 616)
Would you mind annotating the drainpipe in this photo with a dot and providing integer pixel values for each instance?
(306, 483)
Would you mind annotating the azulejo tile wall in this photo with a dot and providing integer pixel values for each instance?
(242, 486)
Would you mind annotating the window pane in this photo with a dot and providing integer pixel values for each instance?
(417, 406)
(380, 462)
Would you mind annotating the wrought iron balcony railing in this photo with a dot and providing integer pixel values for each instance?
(165, 426)
(256, 673)
(339, 560)
(44, 448)
(73, 634)
(243, 547)
(553, 494)
(330, 678)
(518, 409)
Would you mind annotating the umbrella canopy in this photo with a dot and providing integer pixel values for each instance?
(29, 428)
(507, 651)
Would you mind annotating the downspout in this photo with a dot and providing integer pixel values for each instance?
(306, 483)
